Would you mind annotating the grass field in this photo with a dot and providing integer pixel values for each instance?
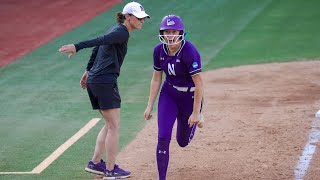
(42, 104)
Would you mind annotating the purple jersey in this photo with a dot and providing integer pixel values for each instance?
(179, 68)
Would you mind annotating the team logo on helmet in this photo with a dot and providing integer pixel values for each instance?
(170, 22)
(142, 9)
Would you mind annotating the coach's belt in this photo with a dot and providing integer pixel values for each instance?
(185, 89)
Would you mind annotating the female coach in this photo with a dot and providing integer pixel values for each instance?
(100, 79)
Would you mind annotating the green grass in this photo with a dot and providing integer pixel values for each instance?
(284, 31)
(42, 104)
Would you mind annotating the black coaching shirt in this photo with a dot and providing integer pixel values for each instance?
(107, 55)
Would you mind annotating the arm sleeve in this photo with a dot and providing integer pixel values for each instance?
(156, 60)
(193, 62)
(92, 58)
(113, 37)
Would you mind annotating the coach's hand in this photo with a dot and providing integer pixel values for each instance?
(83, 80)
(70, 48)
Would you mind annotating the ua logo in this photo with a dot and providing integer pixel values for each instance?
(171, 69)
(164, 152)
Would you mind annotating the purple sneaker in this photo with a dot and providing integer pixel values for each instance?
(98, 168)
(117, 173)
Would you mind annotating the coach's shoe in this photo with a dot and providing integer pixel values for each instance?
(201, 122)
(96, 168)
(117, 173)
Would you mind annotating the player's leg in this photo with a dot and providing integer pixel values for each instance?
(167, 113)
(184, 132)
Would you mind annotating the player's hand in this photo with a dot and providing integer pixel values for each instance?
(70, 48)
(83, 80)
(194, 119)
(147, 113)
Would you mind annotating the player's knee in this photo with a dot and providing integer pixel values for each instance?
(163, 144)
(163, 141)
(183, 142)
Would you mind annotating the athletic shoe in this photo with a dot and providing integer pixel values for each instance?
(201, 122)
(98, 168)
(117, 173)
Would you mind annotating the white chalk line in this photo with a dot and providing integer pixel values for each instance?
(45, 163)
(308, 151)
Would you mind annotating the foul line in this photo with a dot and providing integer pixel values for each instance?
(45, 163)
(308, 151)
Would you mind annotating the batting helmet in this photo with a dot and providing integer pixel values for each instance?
(172, 22)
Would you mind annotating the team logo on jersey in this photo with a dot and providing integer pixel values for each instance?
(161, 58)
(178, 60)
(194, 64)
(170, 22)
(171, 69)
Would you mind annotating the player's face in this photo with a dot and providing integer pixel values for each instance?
(171, 36)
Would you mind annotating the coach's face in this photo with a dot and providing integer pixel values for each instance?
(135, 22)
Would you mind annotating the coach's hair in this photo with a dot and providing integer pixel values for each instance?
(120, 17)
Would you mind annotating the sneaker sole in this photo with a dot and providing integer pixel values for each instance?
(94, 172)
(118, 177)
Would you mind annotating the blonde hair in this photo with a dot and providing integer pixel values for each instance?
(120, 18)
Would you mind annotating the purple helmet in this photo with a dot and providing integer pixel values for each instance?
(172, 22)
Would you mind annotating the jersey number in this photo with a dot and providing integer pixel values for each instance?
(171, 69)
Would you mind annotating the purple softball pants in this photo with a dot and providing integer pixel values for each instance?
(173, 105)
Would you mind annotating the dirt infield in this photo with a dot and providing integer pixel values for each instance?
(258, 119)
(26, 25)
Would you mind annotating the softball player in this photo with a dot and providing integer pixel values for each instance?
(182, 91)
(100, 79)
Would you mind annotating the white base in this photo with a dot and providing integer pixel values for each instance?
(318, 114)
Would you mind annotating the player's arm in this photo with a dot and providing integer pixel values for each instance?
(154, 90)
(198, 94)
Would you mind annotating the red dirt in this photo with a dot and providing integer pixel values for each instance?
(26, 25)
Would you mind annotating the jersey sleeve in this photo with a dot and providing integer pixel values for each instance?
(92, 58)
(113, 37)
(156, 59)
(193, 61)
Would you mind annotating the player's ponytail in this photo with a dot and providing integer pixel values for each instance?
(120, 17)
